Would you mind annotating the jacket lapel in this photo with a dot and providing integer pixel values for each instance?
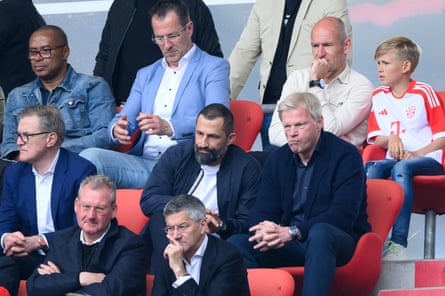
(57, 186)
(186, 79)
(304, 6)
(207, 262)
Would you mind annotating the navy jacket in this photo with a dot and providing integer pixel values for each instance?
(120, 255)
(237, 183)
(18, 208)
(222, 274)
(336, 194)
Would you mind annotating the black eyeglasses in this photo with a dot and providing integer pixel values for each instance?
(44, 53)
(24, 137)
(169, 37)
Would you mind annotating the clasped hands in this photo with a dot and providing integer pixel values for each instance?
(18, 245)
(396, 150)
(269, 235)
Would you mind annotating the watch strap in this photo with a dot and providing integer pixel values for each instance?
(314, 83)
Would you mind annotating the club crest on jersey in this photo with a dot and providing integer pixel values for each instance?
(411, 111)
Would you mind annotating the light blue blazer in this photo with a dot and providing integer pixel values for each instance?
(205, 81)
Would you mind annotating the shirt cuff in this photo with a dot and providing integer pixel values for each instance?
(181, 280)
(2, 239)
(171, 126)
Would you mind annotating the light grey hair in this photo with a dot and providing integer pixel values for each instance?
(193, 206)
(304, 100)
(98, 182)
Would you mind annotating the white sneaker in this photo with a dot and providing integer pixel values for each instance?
(393, 251)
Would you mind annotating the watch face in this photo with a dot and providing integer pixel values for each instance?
(319, 83)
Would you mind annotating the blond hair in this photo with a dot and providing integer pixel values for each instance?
(404, 48)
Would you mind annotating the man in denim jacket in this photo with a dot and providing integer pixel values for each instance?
(86, 102)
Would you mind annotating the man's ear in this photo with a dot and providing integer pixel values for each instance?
(66, 53)
(347, 46)
(76, 204)
(51, 140)
(231, 138)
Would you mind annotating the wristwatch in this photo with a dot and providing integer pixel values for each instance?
(42, 243)
(222, 225)
(294, 232)
(320, 83)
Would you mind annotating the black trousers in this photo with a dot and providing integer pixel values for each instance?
(14, 269)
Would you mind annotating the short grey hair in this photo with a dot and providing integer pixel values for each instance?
(190, 204)
(50, 119)
(98, 182)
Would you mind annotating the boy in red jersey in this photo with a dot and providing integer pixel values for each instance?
(408, 120)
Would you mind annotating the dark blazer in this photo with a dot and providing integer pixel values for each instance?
(120, 255)
(222, 273)
(18, 207)
(336, 194)
(18, 20)
(119, 18)
(237, 184)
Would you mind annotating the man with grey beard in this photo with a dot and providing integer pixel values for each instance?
(210, 167)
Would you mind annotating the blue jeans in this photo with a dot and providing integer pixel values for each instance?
(265, 133)
(325, 248)
(126, 170)
(403, 172)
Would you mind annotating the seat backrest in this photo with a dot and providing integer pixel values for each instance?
(270, 282)
(129, 212)
(414, 292)
(429, 273)
(248, 119)
(22, 289)
(4, 292)
(385, 199)
(373, 152)
(149, 281)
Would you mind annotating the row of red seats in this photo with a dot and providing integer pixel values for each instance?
(247, 124)
(385, 200)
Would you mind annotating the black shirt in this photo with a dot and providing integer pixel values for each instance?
(137, 46)
(278, 74)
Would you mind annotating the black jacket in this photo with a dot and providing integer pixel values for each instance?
(18, 20)
(120, 255)
(222, 273)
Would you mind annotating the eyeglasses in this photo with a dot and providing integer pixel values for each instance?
(24, 137)
(98, 210)
(170, 37)
(181, 228)
(44, 53)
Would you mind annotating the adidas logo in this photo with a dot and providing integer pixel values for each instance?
(383, 112)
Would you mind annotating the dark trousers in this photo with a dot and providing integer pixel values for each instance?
(326, 248)
(14, 269)
(156, 240)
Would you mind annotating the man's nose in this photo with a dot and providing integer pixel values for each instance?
(321, 52)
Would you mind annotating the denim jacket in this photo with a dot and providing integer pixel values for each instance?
(85, 102)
